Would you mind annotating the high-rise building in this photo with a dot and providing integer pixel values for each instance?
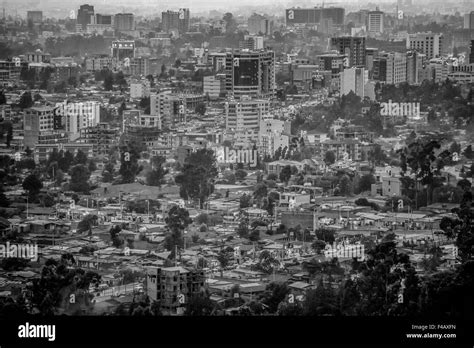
(428, 43)
(313, 16)
(214, 86)
(259, 25)
(103, 19)
(370, 55)
(273, 134)
(102, 137)
(168, 108)
(176, 20)
(245, 114)
(124, 22)
(471, 54)
(390, 68)
(140, 66)
(469, 20)
(354, 79)
(375, 22)
(78, 116)
(250, 73)
(172, 108)
(34, 16)
(37, 120)
(123, 49)
(415, 65)
(352, 47)
(85, 15)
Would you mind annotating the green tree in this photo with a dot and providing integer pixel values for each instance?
(196, 180)
(155, 177)
(33, 185)
(86, 223)
(80, 158)
(176, 222)
(468, 152)
(365, 182)
(285, 174)
(129, 156)
(109, 82)
(200, 109)
(422, 158)
(80, 176)
(3, 99)
(345, 186)
(50, 294)
(240, 174)
(329, 157)
(245, 201)
(114, 232)
(26, 101)
(199, 304)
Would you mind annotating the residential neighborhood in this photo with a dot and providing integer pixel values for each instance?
(269, 161)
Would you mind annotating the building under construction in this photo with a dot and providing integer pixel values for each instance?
(173, 286)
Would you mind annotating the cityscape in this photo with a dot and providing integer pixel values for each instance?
(294, 159)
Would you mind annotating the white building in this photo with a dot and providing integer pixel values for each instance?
(354, 79)
(273, 134)
(428, 43)
(245, 114)
(214, 86)
(375, 21)
(79, 116)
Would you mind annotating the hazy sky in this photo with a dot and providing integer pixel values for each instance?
(60, 8)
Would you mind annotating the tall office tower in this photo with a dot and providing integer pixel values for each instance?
(176, 20)
(79, 116)
(34, 16)
(354, 79)
(140, 66)
(313, 16)
(471, 55)
(84, 15)
(375, 22)
(103, 19)
(370, 55)
(469, 20)
(245, 114)
(250, 73)
(390, 68)
(427, 43)
(123, 49)
(259, 25)
(352, 47)
(415, 64)
(170, 108)
(124, 22)
(37, 120)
